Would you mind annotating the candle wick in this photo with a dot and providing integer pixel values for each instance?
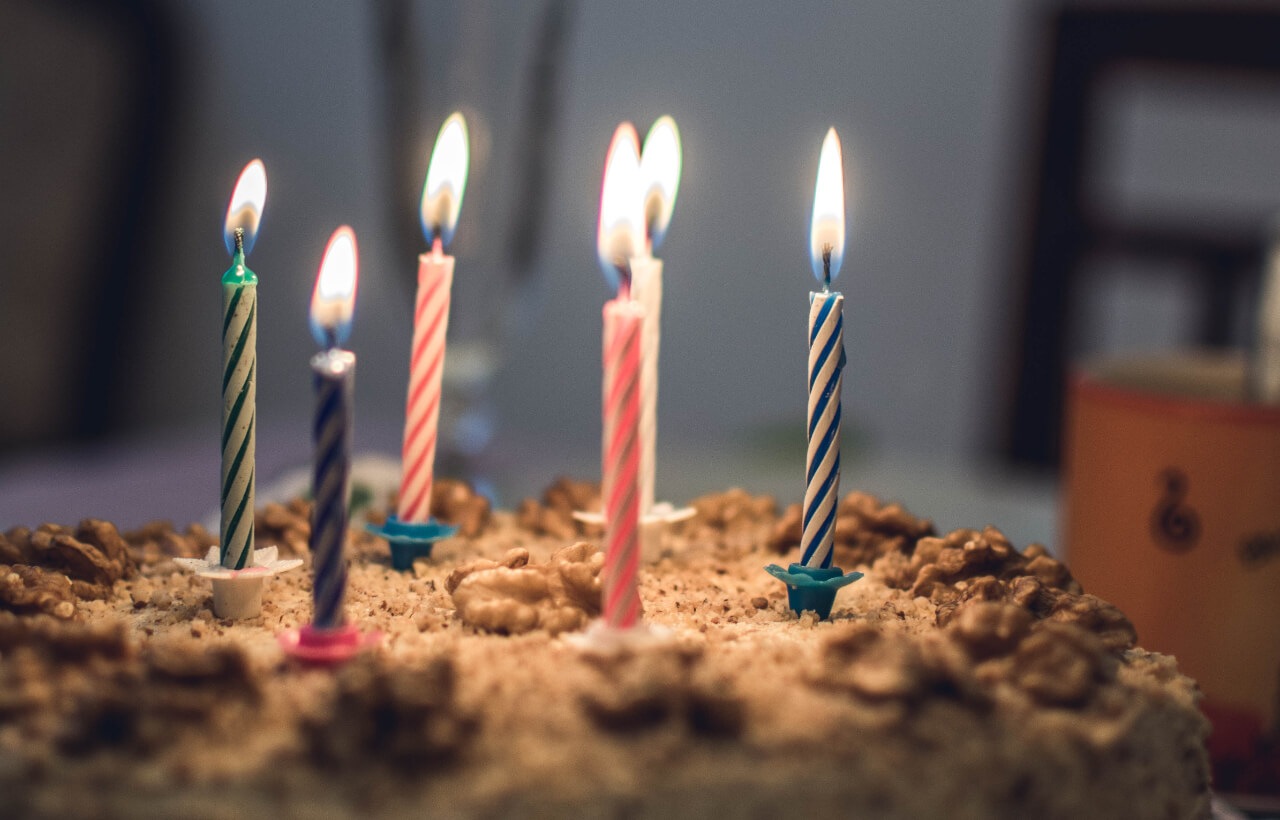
(331, 338)
(624, 277)
(437, 245)
(826, 267)
(240, 241)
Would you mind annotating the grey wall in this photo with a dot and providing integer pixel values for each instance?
(919, 93)
(930, 99)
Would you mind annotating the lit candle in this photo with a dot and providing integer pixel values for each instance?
(812, 584)
(441, 200)
(239, 368)
(618, 240)
(332, 305)
(659, 180)
(826, 360)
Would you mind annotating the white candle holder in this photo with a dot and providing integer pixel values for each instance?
(603, 641)
(237, 593)
(653, 525)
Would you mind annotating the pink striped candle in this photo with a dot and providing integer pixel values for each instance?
(441, 201)
(623, 331)
(422, 408)
(620, 237)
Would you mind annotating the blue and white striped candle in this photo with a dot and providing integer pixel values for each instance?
(332, 306)
(826, 360)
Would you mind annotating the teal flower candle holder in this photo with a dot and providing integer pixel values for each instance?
(812, 589)
(410, 540)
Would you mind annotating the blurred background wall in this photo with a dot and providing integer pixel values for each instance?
(124, 125)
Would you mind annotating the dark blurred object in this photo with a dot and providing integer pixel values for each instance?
(1246, 757)
(538, 131)
(401, 71)
(1087, 44)
(88, 99)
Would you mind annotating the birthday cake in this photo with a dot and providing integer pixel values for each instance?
(961, 677)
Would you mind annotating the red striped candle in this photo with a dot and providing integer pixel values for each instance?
(422, 409)
(441, 201)
(618, 240)
(623, 331)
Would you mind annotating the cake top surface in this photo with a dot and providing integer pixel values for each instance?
(955, 649)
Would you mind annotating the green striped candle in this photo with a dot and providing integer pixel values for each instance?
(239, 369)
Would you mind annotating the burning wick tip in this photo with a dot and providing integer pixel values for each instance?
(240, 241)
(826, 267)
(623, 267)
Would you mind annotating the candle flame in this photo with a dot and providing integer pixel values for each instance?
(333, 302)
(620, 235)
(660, 164)
(245, 211)
(446, 180)
(826, 233)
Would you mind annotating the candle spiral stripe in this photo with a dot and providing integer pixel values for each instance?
(334, 375)
(822, 463)
(646, 288)
(422, 408)
(239, 365)
(623, 326)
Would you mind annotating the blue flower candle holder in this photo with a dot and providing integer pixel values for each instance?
(410, 540)
(812, 589)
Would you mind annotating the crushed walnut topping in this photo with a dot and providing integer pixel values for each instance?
(512, 596)
(866, 529)
(406, 716)
(554, 514)
(47, 570)
(663, 687)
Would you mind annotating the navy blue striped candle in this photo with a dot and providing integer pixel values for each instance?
(334, 378)
(332, 305)
(826, 361)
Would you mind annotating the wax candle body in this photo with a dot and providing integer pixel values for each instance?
(239, 366)
(422, 408)
(334, 380)
(822, 462)
(646, 289)
(623, 328)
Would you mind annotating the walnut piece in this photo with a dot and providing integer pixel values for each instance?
(53, 566)
(26, 589)
(1098, 617)
(287, 526)
(1061, 664)
(866, 529)
(987, 630)
(159, 541)
(455, 502)
(862, 661)
(513, 596)
(554, 515)
(734, 508)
